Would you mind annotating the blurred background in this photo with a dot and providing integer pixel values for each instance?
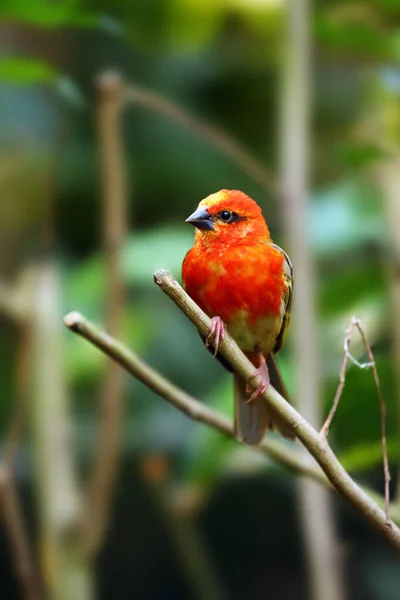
(116, 119)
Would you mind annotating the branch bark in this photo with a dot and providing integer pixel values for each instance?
(14, 526)
(110, 94)
(316, 516)
(365, 503)
(65, 571)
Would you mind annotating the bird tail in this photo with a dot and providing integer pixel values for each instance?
(252, 420)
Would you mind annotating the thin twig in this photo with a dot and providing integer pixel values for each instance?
(342, 380)
(110, 92)
(315, 443)
(214, 136)
(13, 523)
(382, 407)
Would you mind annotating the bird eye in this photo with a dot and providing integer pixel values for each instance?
(226, 216)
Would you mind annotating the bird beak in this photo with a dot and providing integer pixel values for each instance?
(201, 219)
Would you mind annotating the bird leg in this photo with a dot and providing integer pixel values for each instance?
(217, 331)
(262, 372)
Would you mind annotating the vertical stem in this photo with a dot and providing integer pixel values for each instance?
(65, 572)
(317, 520)
(9, 501)
(10, 511)
(110, 96)
(389, 180)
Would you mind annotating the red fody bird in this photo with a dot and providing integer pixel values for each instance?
(244, 281)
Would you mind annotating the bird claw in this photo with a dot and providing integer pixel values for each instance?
(263, 385)
(217, 331)
(260, 390)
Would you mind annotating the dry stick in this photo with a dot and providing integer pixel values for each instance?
(9, 501)
(196, 410)
(321, 544)
(214, 136)
(188, 405)
(382, 408)
(364, 500)
(312, 440)
(23, 564)
(10, 306)
(110, 92)
(342, 380)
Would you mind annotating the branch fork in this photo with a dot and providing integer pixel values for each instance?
(315, 443)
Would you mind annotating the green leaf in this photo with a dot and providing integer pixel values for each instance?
(26, 71)
(48, 14)
(355, 37)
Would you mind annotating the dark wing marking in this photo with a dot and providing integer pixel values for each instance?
(287, 300)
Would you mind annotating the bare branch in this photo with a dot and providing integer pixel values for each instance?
(181, 400)
(214, 136)
(365, 501)
(342, 380)
(14, 526)
(110, 94)
(10, 508)
(315, 443)
(382, 408)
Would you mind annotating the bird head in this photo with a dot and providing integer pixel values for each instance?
(228, 217)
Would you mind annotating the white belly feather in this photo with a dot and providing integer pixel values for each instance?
(260, 337)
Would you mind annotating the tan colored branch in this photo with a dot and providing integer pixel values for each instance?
(315, 443)
(214, 136)
(181, 400)
(110, 94)
(382, 407)
(388, 177)
(366, 500)
(65, 572)
(316, 515)
(15, 299)
(9, 502)
(14, 526)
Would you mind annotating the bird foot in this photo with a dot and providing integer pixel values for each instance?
(217, 331)
(263, 385)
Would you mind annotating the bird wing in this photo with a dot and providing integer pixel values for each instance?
(286, 301)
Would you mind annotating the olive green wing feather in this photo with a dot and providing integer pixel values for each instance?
(286, 301)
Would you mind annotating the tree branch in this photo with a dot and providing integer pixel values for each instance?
(191, 407)
(201, 413)
(382, 407)
(110, 89)
(315, 443)
(214, 136)
(321, 544)
(14, 526)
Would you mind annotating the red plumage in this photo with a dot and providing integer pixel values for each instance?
(235, 272)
